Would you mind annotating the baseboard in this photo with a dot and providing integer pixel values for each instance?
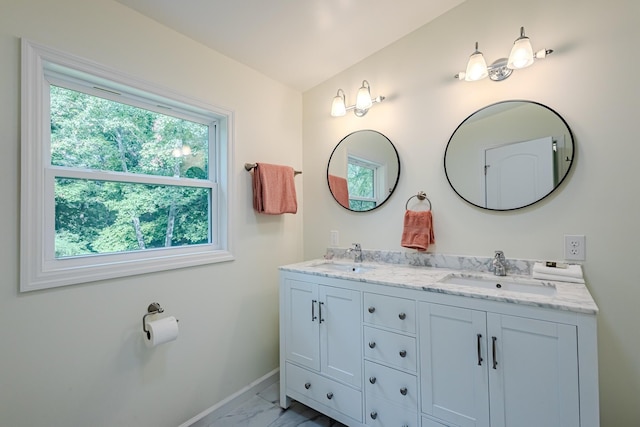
(221, 408)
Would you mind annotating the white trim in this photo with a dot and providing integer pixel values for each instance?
(40, 271)
(221, 408)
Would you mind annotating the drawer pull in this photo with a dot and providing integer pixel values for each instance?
(313, 310)
(372, 380)
(402, 316)
(372, 309)
(329, 395)
(307, 386)
(372, 344)
(403, 353)
(373, 415)
(479, 352)
(403, 391)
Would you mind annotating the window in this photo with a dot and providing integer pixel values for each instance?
(117, 179)
(363, 181)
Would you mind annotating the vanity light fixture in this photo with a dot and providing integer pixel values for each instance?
(521, 56)
(363, 102)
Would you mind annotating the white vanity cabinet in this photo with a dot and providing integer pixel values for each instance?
(388, 354)
(487, 369)
(321, 358)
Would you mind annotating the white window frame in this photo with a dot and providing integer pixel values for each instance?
(39, 269)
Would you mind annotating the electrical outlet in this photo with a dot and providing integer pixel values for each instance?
(335, 241)
(574, 247)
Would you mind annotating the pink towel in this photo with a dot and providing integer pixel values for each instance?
(418, 230)
(339, 189)
(274, 190)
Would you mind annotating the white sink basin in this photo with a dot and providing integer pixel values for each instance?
(344, 268)
(501, 284)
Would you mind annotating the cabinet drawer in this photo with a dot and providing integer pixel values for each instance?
(390, 312)
(392, 385)
(382, 413)
(390, 348)
(325, 391)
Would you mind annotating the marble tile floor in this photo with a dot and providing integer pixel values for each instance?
(262, 410)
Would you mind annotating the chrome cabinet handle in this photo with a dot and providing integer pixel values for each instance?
(329, 395)
(493, 350)
(403, 353)
(372, 380)
(372, 344)
(479, 351)
(372, 309)
(307, 386)
(320, 311)
(313, 310)
(402, 316)
(373, 415)
(403, 391)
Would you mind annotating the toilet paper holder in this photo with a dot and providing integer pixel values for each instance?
(154, 308)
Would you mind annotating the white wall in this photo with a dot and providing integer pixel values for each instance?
(588, 80)
(74, 356)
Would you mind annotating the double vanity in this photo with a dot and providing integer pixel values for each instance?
(437, 341)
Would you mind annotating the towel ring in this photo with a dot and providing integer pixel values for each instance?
(421, 196)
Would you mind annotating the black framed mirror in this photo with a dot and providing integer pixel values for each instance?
(509, 155)
(363, 170)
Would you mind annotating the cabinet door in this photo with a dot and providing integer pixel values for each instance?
(535, 379)
(301, 317)
(340, 334)
(453, 368)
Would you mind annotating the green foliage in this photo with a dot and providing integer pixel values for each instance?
(360, 180)
(91, 216)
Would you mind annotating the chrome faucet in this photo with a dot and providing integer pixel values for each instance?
(358, 252)
(499, 264)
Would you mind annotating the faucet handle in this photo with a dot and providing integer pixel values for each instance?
(356, 246)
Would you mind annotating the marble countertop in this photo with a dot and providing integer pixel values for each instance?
(573, 297)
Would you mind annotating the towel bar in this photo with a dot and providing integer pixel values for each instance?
(249, 166)
(421, 196)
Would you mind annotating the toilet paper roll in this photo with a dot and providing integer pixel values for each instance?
(161, 331)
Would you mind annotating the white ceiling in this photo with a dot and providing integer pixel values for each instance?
(300, 43)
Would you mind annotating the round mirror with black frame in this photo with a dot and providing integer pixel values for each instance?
(363, 170)
(509, 155)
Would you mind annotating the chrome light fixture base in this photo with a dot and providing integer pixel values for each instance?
(498, 70)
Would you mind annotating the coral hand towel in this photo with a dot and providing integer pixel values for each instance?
(339, 189)
(274, 190)
(418, 230)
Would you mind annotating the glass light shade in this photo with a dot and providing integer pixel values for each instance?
(476, 68)
(338, 108)
(521, 53)
(363, 99)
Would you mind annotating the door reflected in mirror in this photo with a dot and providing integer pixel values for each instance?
(509, 155)
(363, 170)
